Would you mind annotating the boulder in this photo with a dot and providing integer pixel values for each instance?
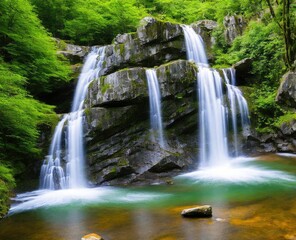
(74, 53)
(204, 211)
(152, 30)
(123, 87)
(287, 91)
(234, 26)
(92, 236)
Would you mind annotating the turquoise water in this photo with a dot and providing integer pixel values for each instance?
(255, 197)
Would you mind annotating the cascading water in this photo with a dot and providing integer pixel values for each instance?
(238, 106)
(64, 168)
(213, 108)
(155, 106)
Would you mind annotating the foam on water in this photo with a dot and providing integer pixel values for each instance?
(239, 173)
(83, 196)
(287, 155)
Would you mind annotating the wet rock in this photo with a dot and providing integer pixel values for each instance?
(92, 236)
(204, 211)
(287, 91)
(234, 26)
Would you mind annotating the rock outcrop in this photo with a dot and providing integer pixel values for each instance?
(121, 148)
(74, 53)
(120, 145)
(205, 29)
(234, 26)
(243, 71)
(287, 92)
(282, 140)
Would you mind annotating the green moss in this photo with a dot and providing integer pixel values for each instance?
(123, 162)
(87, 112)
(287, 118)
(102, 80)
(61, 45)
(105, 87)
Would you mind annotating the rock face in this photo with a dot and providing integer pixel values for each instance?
(205, 28)
(198, 212)
(287, 92)
(243, 69)
(121, 148)
(74, 53)
(283, 140)
(234, 26)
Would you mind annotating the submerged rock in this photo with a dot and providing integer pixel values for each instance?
(204, 211)
(92, 236)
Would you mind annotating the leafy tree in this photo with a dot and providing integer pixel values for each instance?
(20, 117)
(90, 22)
(284, 15)
(28, 48)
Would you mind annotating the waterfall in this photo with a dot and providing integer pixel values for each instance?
(238, 106)
(155, 106)
(213, 109)
(63, 167)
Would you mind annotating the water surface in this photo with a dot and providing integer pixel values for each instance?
(263, 206)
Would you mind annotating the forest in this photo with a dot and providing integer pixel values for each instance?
(31, 71)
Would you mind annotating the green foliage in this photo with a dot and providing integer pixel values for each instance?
(262, 44)
(28, 48)
(90, 22)
(265, 111)
(20, 117)
(259, 42)
(287, 118)
(188, 11)
(6, 184)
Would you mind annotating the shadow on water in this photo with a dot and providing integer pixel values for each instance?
(260, 209)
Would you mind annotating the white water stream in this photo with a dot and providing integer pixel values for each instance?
(214, 109)
(155, 106)
(64, 166)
